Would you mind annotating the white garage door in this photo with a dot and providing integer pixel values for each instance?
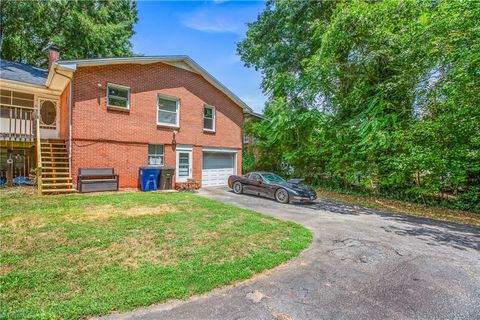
(216, 168)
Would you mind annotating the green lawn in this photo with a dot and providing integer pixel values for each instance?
(80, 255)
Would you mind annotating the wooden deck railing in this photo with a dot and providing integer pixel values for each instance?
(17, 123)
(39, 154)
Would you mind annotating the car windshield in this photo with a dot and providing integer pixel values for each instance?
(272, 178)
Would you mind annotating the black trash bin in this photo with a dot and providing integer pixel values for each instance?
(166, 178)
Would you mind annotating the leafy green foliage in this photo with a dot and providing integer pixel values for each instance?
(79, 28)
(248, 160)
(381, 96)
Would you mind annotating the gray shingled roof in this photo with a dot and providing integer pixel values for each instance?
(21, 72)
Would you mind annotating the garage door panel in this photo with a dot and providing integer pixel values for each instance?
(215, 177)
(217, 167)
(217, 160)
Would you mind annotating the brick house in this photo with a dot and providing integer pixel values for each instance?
(123, 113)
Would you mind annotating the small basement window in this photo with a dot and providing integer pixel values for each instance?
(209, 118)
(155, 154)
(168, 111)
(118, 96)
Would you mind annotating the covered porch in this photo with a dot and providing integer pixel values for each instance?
(30, 122)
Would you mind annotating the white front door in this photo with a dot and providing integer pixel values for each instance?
(49, 118)
(184, 165)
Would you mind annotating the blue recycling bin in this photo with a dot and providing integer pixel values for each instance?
(149, 178)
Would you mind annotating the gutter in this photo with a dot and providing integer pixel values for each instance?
(32, 87)
(70, 128)
(70, 104)
(256, 115)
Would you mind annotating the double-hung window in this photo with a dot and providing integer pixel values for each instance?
(209, 118)
(155, 154)
(118, 96)
(168, 111)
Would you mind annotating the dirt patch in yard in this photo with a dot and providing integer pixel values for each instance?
(131, 252)
(106, 212)
(33, 220)
(24, 221)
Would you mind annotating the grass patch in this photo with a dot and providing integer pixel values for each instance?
(74, 256)
(398, 206)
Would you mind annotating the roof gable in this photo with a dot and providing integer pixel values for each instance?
(55, 79)
(183, 62)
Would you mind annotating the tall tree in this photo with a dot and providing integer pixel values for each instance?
(79, 28)
(385, 93)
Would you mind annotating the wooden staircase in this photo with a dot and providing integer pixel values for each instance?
(55, 177)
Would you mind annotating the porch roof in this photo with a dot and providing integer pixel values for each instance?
(21, 72)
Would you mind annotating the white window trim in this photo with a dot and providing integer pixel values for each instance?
(165, 124)
(156, 155)
(121, 87)
(214, 114)
(219, 149)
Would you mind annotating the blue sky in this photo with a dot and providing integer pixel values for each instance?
(207, 31)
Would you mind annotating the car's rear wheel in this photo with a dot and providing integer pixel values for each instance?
(281, 195)
(237, 187)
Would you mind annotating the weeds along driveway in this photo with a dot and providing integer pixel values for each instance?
(362, 264)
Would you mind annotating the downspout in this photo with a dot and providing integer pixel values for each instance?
(69, 122)
(70, 129)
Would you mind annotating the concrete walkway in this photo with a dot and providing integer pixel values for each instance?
(362, 264)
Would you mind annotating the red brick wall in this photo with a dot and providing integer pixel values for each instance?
(107, 138)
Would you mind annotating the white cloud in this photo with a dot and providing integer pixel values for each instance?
(215, 20)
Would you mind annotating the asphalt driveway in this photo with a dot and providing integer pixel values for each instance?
(362, 264)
